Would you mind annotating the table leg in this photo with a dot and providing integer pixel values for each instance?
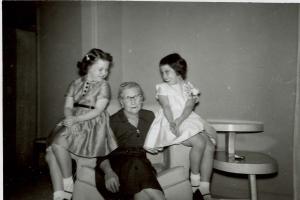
(231, 145)
(253, 190)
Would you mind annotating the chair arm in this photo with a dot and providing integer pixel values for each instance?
(83, 191)
(172, 176)
(86, 174)
(159, 167)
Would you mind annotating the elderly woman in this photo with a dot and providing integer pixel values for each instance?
(127, 173)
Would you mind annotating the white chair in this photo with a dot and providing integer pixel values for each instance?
(172, 176)
(174, 181)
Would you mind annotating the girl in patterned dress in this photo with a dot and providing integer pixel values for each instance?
(176, 123)
(85, 129)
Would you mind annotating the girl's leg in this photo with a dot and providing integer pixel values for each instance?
(207, 161)
(55, 173)
(206, 168)
(63, 156)
(64, 160)
(198, 144)
(142, 195)
(56, 176)
(151, 194)
(155, 194)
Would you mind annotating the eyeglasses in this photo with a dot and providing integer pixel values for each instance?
(138, 97)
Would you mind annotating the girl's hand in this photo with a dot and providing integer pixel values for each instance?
(74, 129)
(178, 122)
(173, 127)
(69, 121)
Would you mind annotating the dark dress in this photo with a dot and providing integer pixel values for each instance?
(90, 138)
(129, 160)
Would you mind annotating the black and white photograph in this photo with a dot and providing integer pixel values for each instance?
(150, 100)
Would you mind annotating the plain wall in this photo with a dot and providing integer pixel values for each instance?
(59, 49)
(242, 57)
(110, 39)
(64, 38)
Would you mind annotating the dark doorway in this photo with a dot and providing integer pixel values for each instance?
(19, 88)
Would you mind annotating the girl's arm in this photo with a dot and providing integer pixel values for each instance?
(164, 102)
(68, 109)
(193, 98)
(99, 107)
(101, 103)
(189, 106)
(69, 101)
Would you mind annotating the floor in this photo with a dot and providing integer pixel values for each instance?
(37, 186)
(31, 186)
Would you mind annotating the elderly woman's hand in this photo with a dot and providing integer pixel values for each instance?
(112, 183)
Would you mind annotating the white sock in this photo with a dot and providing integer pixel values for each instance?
(195, 181)
(68, 184)
(67, 195)
(58, 195)
(204, 187)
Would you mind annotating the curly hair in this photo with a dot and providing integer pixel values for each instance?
(90, 58)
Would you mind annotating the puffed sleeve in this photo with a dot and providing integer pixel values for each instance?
(70, 90)
(161, 90)
(105, 92)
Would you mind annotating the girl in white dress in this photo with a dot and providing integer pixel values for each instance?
(176, 123)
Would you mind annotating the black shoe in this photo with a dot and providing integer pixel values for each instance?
(197, 195)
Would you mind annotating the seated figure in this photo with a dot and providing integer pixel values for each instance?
(126, 173)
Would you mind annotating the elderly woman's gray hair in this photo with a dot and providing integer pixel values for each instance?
(127, 85)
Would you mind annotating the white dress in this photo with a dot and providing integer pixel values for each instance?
(159, 134)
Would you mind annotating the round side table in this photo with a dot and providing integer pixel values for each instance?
(242, 162)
